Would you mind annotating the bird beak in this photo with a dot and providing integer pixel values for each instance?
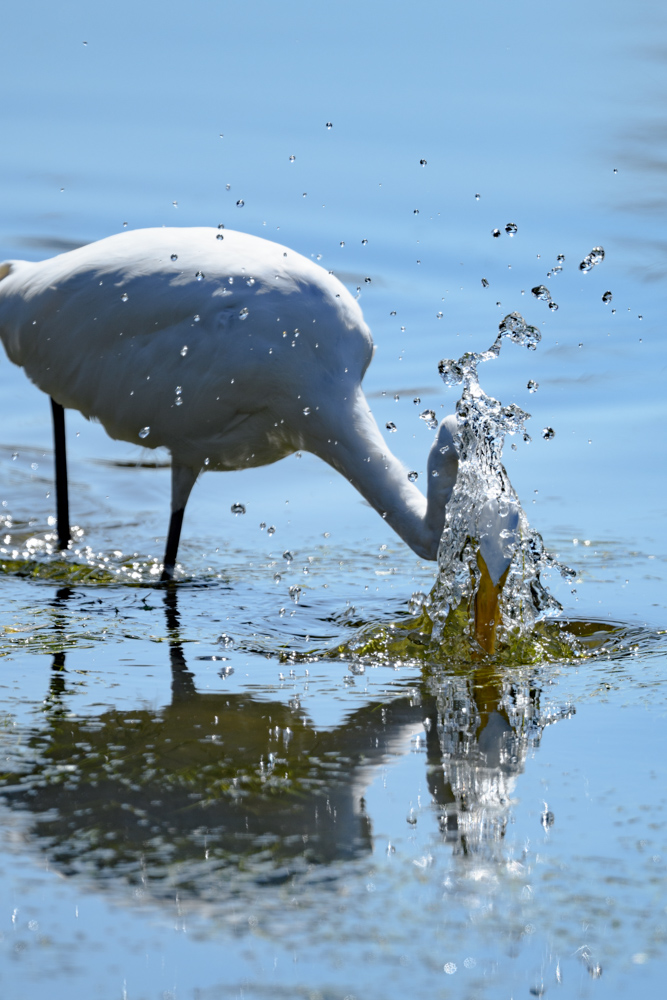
(497, 530)
(487, 608)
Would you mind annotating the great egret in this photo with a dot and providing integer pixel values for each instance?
(227, 349)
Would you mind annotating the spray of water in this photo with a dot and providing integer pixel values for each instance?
(490, 559)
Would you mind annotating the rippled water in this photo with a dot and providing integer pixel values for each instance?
(270, 780)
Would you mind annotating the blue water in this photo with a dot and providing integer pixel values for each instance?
(153, 115)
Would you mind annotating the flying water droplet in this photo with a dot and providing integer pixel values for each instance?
(174, 256)
(515, 327)
(329, 124)
(495, 233)
(184, 350)
(391, 426)
(364, 242)
(144, 432)
(553, 306)
(250, 282)
(485, 283)
(422, 163)
(196, 317)
(511, 228)
(393, 312)
(124, 297)
(292, 158)
(548, 433)
(288, 556)
(237, 508)
(607, 297)
(220, 236)
(200, 275)
(413, 476)
(429, 417)
(438, 315)
(244, 313)
(342, 243)
(477, 197)
(367, 280)
(240, 203)
(532, 385)
(179, 396)
(541, 292)
(271, 530)
(415, 211)
(417, 400)
(596, 256)
(306, 411)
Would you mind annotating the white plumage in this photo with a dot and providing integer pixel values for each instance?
(231, 350)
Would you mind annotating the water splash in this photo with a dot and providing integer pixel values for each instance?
(490, 559)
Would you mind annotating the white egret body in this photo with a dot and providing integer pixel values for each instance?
(227, 349)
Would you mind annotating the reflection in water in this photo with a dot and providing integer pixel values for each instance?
(218, 789)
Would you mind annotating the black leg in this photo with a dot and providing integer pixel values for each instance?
(62, 496)
(173, 538)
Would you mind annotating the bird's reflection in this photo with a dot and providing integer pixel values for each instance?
(215, 786)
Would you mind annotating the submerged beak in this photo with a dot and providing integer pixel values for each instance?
(498, 534)
(487, 608)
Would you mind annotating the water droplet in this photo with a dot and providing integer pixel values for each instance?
(560, 258)
(515, 327)
(295, 593)
(196, 317)
(415, 211)
(451, 372)
(124, 297)
(429, 417)
(548, 433)
(230, 281)
(477, 197)
(306, 411)
(596, 256)
(144, 432)
(547, 818)
(607, 297)
(532, 385)
(391, 426)
(244, 313)
(438, 315)
(329, 124)
(367, 280)
(393, 312)
(287, 556)
(413, 476)
(184, 350)
(271, 530)
(485, 283)
(250, 282)
(495, 233)
(342, 243)
(220, 236)
(237, 508)
(174, 256)
(179, 396)
(553, 306)
(240, 203)
(541, 292)
(200, 275)
(364, 242)
(511, 228)
(292, 158)
(396, 398)
(417, 400)
(422, 163)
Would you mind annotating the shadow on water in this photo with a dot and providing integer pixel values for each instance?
(218, 791)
